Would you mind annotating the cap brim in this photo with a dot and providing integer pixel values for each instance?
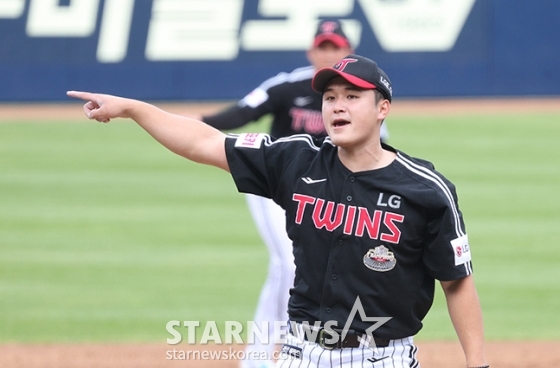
(323, 76)
(338, 40)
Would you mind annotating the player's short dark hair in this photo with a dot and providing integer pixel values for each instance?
(378, 96)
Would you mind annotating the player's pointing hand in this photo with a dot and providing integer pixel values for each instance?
(101, 107)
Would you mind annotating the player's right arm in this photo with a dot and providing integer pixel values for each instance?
(466, 315)
(184, 136)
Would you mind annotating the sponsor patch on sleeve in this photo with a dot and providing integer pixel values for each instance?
(461, 250)
(250, 140)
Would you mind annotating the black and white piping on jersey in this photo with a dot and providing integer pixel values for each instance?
(296, 137)
(413, 167)
(410, 165)
(429, 175)
(296, 75)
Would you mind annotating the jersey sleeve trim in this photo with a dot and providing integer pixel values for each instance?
(429, 175)
(256, 140)
(296, 137)
(294, 76)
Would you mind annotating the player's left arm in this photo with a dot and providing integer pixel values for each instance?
(466, 315)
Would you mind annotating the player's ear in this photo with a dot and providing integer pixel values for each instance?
(384, 106)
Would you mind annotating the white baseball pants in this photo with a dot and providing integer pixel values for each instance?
(272, 306)
(297, 353)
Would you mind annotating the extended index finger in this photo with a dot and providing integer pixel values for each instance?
(91, 105)
(86, 96)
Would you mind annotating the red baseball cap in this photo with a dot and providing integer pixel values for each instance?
(330, 30)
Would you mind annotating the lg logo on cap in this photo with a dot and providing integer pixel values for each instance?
(386, 83)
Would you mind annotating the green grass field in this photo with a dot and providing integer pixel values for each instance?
(106, 236)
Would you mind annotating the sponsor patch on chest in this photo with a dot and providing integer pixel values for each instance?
(461, 250)
(250, 140)
(380, 259)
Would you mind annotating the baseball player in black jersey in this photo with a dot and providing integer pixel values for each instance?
(295, 108)
(288, 97)
(372, 228)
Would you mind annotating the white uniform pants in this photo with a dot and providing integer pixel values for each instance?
(272, 306)
(297, 353)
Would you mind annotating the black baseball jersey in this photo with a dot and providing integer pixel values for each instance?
(295, 106)
(384, 235)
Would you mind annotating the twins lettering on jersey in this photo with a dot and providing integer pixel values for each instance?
(309, 121)
(355, 220)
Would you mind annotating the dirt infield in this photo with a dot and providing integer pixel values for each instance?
(431, 355)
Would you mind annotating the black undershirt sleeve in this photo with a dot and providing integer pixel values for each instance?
(232, 117)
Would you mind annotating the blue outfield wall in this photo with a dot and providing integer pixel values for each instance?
(222, 49)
